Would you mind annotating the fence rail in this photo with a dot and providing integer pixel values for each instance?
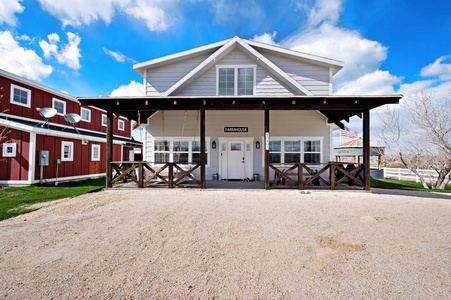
(406, 174)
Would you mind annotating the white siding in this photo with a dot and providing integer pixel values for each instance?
(205, 84)
(160, 79)
(283, 124)
(314, 78)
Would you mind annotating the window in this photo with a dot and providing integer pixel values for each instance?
(291, 150)
(178, 151)
(95, 152)
(67, 151)
(85, 114)
(312, 151)
(60, 106)
(275, 149)
(161, 151)
(120, 125)
(236, 80)
(104, 120)
(20, 96)
(9, 149)
(195, 149)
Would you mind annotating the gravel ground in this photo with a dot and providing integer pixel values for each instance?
(230, 244)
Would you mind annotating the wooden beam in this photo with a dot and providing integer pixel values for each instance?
(202, 150)
(366, 148)
(266, 145)
(109, 148)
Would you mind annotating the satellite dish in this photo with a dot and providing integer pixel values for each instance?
(72, 119)
(47, 113)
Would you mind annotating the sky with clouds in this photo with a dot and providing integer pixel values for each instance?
(88, 48)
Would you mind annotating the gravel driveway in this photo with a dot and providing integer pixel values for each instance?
(230, 244)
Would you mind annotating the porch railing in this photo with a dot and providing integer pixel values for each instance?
(146, 174)
(323, 175)
(295, 175)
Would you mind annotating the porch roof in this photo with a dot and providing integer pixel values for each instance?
(335, 108)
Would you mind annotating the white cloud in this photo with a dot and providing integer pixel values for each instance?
(376, 83)
(132, 89)
(266, 38)
(154, 13)
(79, 12)
(153, 16)
(118, 56)
(440, 68)
(8, 11)
(361, 56)
(20, 61)
(325, 11)
(69, 54)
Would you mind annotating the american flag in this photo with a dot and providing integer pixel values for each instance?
(348, 132)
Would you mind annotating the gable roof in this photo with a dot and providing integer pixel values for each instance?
(220, 49)
(36, 85)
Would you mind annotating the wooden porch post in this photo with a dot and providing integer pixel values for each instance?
(266, 141)
(202, 149)
(109, 148)
(366, 148)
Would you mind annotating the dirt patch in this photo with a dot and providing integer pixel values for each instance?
(329, 242)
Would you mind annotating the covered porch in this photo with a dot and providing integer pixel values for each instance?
(295, 175)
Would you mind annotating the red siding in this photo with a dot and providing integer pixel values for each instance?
(40, 98)
(16, 168)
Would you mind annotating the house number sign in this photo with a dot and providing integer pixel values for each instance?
(235, 129)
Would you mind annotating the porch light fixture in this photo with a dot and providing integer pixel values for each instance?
(257, 144)
(117, 102)
(213, 145)
(146, 102)
(324, 101)
(175, 102)
(293, 102)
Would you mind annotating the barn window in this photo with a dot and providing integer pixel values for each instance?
(9, 149)
(20, 96)
(121, 125)
(67, 151)
(95, 152)
(60, 106)
(85, 114)
(104, 120)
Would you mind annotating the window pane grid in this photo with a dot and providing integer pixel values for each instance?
(295, 151)
(20, 96)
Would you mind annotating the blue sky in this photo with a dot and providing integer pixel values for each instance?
(88, 48)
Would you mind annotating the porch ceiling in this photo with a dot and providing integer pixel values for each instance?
(335, 108)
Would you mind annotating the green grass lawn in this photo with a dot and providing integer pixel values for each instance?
(390, 183)
(15, 201)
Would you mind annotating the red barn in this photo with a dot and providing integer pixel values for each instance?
(51, 131)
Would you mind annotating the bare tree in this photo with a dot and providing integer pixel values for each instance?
(421, 136)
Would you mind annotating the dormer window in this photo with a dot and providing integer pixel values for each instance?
(235, 81)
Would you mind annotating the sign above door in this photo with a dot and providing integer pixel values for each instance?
(235, 129)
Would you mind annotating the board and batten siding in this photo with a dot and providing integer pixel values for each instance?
(299, 124)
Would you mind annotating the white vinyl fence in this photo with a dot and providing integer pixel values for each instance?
(406, 174)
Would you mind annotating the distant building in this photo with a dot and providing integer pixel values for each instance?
(49, 127)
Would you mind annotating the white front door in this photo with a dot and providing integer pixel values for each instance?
(235, 160)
